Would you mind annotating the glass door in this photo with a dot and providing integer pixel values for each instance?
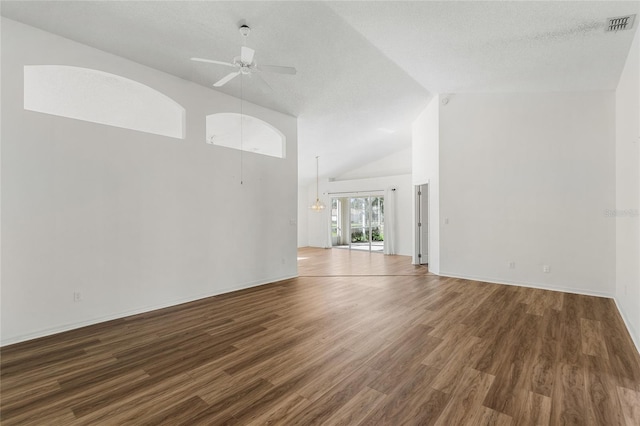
(377, 223)
(336, 222)
(360, 224)
(357, 223)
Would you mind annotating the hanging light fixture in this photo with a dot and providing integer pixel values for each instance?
(318, 206)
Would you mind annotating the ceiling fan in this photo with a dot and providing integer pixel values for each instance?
(244, 64)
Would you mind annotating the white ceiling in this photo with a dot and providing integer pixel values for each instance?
(363, 67)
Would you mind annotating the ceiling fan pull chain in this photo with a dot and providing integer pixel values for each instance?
(241, 132)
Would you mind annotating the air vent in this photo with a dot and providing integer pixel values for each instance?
(620, 23)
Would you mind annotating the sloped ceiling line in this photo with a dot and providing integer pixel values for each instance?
(362, 66)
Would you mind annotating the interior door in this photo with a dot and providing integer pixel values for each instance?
(423, 224)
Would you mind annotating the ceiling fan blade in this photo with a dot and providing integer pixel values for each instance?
(246, 55)
(224, 80)
(277, 69)
(210, 61)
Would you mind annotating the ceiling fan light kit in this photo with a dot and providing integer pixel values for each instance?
(244, 30)
(244, 63)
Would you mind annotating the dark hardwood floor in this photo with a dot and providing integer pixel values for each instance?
(358, 338)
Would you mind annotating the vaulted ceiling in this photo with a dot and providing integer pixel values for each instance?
(365, 69)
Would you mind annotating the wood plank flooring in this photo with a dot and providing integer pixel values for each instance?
(357, 339)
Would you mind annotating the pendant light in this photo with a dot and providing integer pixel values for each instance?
(318, 206)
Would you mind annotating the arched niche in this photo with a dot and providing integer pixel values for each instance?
(100, 97)
(246, 133)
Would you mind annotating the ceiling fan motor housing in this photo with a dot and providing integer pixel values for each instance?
(244, 64)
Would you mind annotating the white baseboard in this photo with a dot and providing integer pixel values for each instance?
(141, 310)
(634, 337)
(67, 327)
(528, 284)
(627, 323)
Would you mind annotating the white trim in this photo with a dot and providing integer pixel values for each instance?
(414, 223)
(124, 314)
(68, 327)
(356, 194)
(628, 324)
(528, 284)
(630, 330)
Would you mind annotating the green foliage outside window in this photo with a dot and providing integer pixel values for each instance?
(363, 237)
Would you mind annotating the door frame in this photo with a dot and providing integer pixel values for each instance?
(348, 196)
(421, 224)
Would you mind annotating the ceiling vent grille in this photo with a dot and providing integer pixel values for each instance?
(620, 23)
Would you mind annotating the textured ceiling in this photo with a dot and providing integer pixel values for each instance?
(362, 66)
(453, 47)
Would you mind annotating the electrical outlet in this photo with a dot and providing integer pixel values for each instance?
(512, 265)
(77, 297)
(546, 269)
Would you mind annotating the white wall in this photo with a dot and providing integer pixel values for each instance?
(627, 203)
(319, 222)
(132, 221)
(527, 178)
(303, 216)
(425, 169)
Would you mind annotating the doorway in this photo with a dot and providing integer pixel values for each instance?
(357, 223)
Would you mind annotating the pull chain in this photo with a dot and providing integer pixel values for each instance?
(241, 130)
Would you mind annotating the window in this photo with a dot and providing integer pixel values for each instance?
(99, 97)
(246, 133)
